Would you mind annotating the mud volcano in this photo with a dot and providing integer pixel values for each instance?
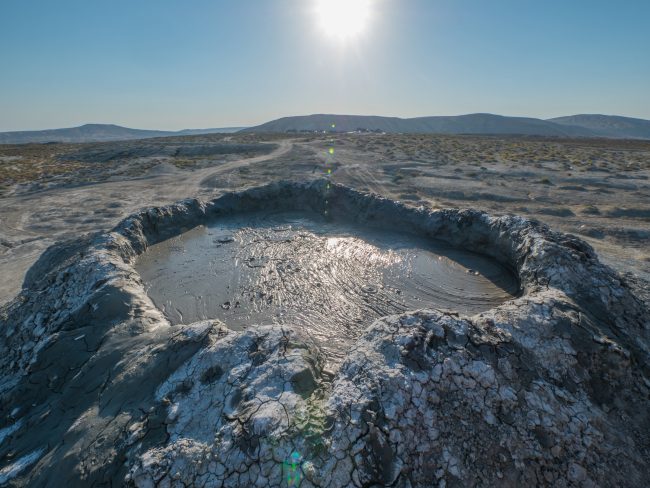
(532, 369)
(331, 278)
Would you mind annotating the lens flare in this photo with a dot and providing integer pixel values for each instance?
(343, 19)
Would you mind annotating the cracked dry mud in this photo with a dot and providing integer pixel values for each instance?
(549, 388)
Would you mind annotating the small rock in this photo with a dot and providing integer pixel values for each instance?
(576, 473)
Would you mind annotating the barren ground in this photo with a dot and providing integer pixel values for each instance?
(597, 189)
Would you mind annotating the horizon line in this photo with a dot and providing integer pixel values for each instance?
(235, 126)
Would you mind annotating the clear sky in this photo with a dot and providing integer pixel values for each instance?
(171, 64)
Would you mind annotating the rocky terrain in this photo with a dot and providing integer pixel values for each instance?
(549, 388)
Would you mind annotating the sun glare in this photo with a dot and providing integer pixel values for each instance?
(343, 19)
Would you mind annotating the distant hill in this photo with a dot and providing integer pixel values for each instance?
(583, 125)
(98, 133)
(609, 125)
(462, 124)
(573, 126)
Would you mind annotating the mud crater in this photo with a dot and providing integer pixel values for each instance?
(331, 278)
(95, 376)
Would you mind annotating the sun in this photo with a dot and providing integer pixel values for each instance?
(343, 19)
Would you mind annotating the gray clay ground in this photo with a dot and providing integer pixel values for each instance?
(550, 388)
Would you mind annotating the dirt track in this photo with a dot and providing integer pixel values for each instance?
(35, 220)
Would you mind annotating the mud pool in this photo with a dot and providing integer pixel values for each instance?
(331, 278)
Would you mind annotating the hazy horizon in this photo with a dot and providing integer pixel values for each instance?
(299, 115)
(203, 64)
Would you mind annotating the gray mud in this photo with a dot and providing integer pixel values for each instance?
(332, 278)
(551, 388)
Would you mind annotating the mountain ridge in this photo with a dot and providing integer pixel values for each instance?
(99, 133)
(580, 125)
(609, 125)
(478, 123)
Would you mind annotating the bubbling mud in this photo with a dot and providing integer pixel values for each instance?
(333, 279)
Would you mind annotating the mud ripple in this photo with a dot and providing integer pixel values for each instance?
(334, 279)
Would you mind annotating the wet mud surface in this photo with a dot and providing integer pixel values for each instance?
(333, 279)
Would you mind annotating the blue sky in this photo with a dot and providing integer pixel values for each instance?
(168, 64)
